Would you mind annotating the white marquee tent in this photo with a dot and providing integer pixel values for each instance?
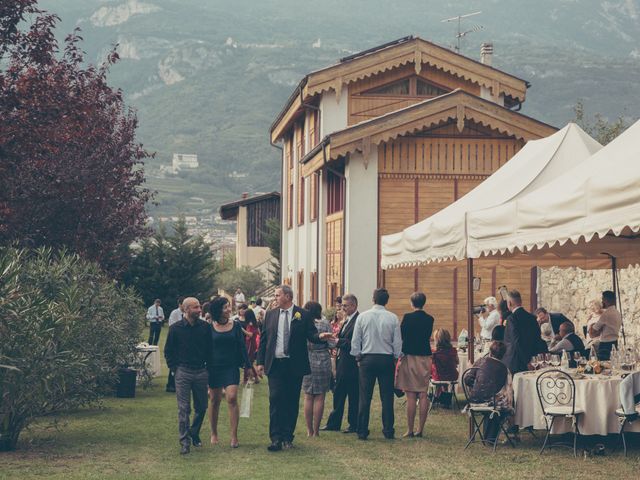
(597, 202)
(443, 236)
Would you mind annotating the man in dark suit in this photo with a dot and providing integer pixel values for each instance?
(522, 335)
(555, 319)
(283, 356)
(346, 372)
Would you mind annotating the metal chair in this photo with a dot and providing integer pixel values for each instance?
(448, 386)
(627, 418)
(557, 395)
(485, 410)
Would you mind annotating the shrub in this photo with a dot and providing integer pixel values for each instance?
(66, 328)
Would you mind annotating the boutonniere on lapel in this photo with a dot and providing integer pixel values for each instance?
(297, 316)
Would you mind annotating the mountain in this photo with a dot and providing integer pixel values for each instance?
(209, 76)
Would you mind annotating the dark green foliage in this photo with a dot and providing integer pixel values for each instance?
(66, 328)
(600, 128)
(272, 237)
(251, 282)
(169, 266)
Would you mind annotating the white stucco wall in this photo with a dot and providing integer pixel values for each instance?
(333, 112)
(361, 226)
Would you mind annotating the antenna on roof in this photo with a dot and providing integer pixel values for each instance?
(460, 33)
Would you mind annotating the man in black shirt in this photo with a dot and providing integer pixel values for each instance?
(188, 351)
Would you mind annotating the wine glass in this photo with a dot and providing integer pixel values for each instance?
(535, 362)
(577, 357)
(555, 360)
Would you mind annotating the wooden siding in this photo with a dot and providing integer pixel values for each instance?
(334, 252)
(363, 105)
(412, 187)
(257, 215)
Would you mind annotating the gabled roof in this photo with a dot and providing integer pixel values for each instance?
(458, 105)
(229, 211)
(407, 50)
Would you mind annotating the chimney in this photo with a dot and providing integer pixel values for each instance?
(486, 53)
(245, 195)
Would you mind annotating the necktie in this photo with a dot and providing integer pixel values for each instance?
(285, 336)
(157, 315)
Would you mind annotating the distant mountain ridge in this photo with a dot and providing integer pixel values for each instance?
(210, 76)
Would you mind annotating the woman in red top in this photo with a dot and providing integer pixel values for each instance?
(444, 362)
(251, 340)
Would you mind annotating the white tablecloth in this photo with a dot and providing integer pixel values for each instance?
(152, 355)
(463, 364)
(597, 395)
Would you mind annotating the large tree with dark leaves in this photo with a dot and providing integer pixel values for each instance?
(70, 167)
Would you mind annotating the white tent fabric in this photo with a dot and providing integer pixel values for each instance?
(443, 235)
(600, 196)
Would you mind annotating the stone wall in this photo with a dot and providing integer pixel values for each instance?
(570, 290)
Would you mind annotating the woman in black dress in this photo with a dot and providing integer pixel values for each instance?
(414, 369)
(229, 355)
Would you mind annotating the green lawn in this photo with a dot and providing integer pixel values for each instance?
(137, 438)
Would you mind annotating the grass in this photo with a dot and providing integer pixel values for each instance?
(137, 438)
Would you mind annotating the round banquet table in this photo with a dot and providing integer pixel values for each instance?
(597, 395)
(463, 364)
(150, 354)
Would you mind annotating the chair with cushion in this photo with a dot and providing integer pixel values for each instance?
(482, 413)
(631, 415)
(557, 395)
(447, 386)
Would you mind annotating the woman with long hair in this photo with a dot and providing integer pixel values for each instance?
(229, 355)
(252, 332)
(317, 383)
(444, 364)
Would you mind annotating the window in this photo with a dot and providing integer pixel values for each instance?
(335, 193)
(301, 193)
(300, 287)
(313, 283)
(288, 155)
(428, 90)
(314, 186)
(396, 88)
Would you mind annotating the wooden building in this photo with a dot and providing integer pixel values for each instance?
(380, 141)
(251, 215)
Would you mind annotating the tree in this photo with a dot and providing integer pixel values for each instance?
(603, 130)
(272, 237)
(70, 168)
(168, 266)
(66, 329)
(248, 280)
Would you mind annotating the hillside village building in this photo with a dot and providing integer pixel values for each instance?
(380, 141)
(251, 215)
(181, 161)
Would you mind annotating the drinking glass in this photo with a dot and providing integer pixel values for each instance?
(534, 362)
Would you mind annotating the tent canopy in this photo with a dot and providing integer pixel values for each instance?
(443, 236)
(597, 202)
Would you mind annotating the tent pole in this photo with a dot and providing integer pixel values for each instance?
(616, 291)
(470, 335)
(470, 323)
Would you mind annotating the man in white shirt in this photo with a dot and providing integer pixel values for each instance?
(608, 326)
(238, 298)
(376, 344)
(490, 319)
(174, 317)
(259, 311)
(155, 315)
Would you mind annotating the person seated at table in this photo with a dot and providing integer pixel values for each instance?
(570, 342)
(491, 383)
(554, 319)
(546, 333)
(497, 335)
(444, 364)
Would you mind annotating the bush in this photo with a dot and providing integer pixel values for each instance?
(66, 328)
(249, 281)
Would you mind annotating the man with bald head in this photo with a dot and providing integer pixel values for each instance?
(188, 352)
